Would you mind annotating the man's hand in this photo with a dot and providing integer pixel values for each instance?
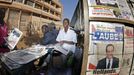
(4, 45)
(68, 42)
(61, 42)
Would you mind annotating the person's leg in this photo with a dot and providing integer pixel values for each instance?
(42, 59)
(53, 71)
(69, 71)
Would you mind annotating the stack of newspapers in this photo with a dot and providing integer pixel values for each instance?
(17, 58)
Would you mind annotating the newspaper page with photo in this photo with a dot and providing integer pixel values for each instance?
(128, 49)
(110, 9)
(125, 10)
(105, 50)
(128, 32)
(131, 5)
(13, 38)
(104, 8)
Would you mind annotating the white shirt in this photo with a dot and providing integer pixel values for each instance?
(70, 35)
(111, 62)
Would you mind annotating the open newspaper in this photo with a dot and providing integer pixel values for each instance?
(59, 48)
(13, 38)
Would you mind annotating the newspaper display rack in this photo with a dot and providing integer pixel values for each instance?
(106, 22)
(100, 33)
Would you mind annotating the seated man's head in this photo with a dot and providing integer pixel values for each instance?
(66, 23)
(51, 25)
(44, 28)
(109, 51)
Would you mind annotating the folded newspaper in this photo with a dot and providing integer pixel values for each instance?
(59, 48)
(10, 63)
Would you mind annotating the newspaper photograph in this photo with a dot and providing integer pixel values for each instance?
(103, 33)
(125, 10)
(13, 38)
(128, 32)
(101, 47)
(107, 3)
(104, 64)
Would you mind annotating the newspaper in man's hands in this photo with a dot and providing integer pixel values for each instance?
(59, 48)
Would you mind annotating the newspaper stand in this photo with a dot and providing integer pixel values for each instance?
(90, 14)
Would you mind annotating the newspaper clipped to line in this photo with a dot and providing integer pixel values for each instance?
(13, 38)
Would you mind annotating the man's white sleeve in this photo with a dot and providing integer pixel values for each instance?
(58, 37)
(74, 38)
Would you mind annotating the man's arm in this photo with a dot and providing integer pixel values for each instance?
(116, 62)
(46, 39)
(73, 39)
(98, 65)
(68, 42)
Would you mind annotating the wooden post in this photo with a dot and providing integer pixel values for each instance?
(19, 20)
(7, 15)
(23, 2)
(34, 4)
(86, 37)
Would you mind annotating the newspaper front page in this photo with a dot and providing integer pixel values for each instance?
(106, 45)
(125, 10)
(129, 48)
(104, 8)
(110, 9)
